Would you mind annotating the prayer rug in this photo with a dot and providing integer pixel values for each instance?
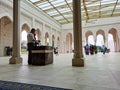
(8, 85)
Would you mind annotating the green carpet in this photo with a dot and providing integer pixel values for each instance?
(8, 85)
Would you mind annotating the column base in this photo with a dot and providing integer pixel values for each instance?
(15, 60)
(78, 62)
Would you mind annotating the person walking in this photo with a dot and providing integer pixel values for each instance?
(87, 49)
(103, 49)
(95, 49)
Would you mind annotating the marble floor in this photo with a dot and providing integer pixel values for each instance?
(101, 72)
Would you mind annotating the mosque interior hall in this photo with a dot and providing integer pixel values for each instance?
(71, 26)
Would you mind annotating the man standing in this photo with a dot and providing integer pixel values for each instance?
(31, 40)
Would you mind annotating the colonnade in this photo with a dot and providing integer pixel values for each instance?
(78, 56)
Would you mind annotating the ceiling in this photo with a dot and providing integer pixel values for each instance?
(62, 11)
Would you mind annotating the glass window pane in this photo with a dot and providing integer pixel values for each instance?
(34, 0)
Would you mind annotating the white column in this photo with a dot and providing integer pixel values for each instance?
(43, 34)
(33, 22)
(118, 40)
(16, 33)
(117, 43)
(55, 41)
(106, 39)
(77, 31)
(2, 37)
(1, 28)
(95, 38)
(50, 37)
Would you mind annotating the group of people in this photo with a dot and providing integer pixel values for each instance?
(93, 49)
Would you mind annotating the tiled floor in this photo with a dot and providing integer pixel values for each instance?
(101, 72)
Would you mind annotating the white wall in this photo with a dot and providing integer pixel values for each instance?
(105, 24)
(30, 15)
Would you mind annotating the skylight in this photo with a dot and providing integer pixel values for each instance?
(61, 10)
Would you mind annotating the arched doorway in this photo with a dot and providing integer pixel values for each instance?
(6, 29)
(25, 30)
(24, 41)
(38, 34)
(69, 43)
(111, 43)
(99, 40)
(58, 44)
(100, 34)
(89, 37)
(46, 38)
(91, 40)
(113, 32)
(53, 40)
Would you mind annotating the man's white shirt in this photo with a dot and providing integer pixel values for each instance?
(30, 38)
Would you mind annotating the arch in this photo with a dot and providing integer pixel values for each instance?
(46, 38)
(69, 43)
(111, 45)
(7, 16)
(113, 31)
(87, 35)
(6, 26)
(91, 40)
(23, 41)
(25, 27)
(24, 35)
(6, 20)
(38, 34)
(58, 44)
(102, 33)
(100, 40)
(53, 40)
